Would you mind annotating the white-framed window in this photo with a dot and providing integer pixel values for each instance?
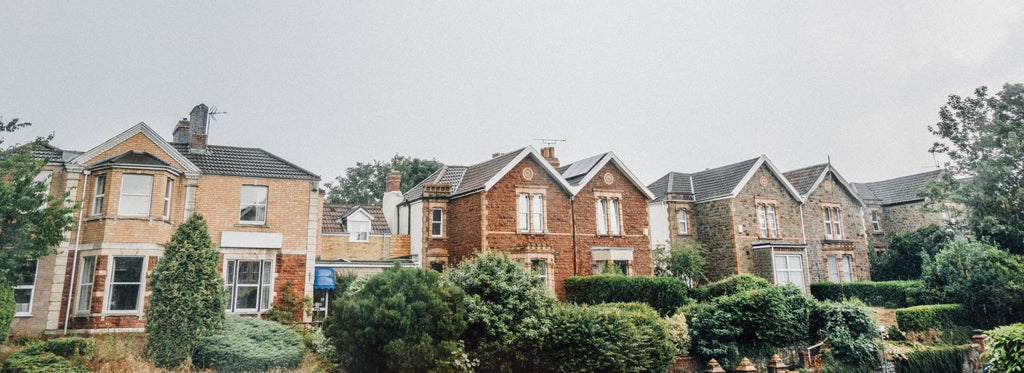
(436, 222)
(540, 268)
(168, 190)
(682, 222)
(537, 213)
(45, 177)
(874, 221)
(249, 283)
(766, 220)
(530, 212)
(99, 191)
(608, 221)
(253, 208)
(602, 216)
(358, 231)
(833, 223)
(833, 268)
(125, 285)
(136, 195)
(789, 269)
(24, 288)
(87, 269)
(848, 268)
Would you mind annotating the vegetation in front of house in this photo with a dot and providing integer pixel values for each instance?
(7, 309)
(51, 356)
(1006, 348)
(932, 316)
(288, 308)
(887, 294)
(906, 253)
(682, 259)
(851, 334)
(610, 337)
(248, 344)
(729, 285)
(988, 281)
(921, 358)
(665, 294)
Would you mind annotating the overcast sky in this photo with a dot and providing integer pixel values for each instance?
(668, 86)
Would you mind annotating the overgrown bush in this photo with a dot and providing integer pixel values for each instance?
(665, 294)
(903, 258)
(851, 332)
(888, 294)
(728, 286)
(508, 311)
(50, 356)
(188, 295)
(610, 337)
(7, 308)
(678, 333)
(933, 358)
(1006, 348)
(401, 320)
(248, 344)
(69, 346)
(933, 316)
(685, 258)
(989, 282)
(288, 308)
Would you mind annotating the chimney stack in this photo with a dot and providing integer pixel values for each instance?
(391, 199)
(181, 134)
(197, 128)
(548, 152)
(393, 182)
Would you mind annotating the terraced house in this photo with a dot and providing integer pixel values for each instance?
(134, 190)
(894, 206)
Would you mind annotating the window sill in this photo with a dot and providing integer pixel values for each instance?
(771, 238)
(124, 217)
(121, 313)
(251, 225)
(684, 234)
(22, 315)
(437, 237)
(610, 235)
(532, 233)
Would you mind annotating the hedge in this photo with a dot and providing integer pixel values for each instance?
(1006, 348)
(50, 356)
(888, 294)
(934, 316)
(249, 344)
(7, 309)
(729, 286)
(933, 359)
(610, 337)
(664, 294)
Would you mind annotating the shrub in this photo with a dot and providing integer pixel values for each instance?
(986, 280)
(851, 332)
(930, 359)
(904, 257)
(934, 316)
(665, 294)
(1006, 348)
(43, 362)
(6, 309)
(403, 319)
(287, 308)
(188, 295)
(728, 286)
(508, 312)
(682, 259)
(678, 333)
(69, 346)
(249, 344)
(610, 337)
(888, 294)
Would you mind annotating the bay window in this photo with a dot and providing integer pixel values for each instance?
(85, 285)
(125, 286)
(789, 269)
(136, 195)
(249, 284)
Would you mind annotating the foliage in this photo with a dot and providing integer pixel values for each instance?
(69, 346)
(750, 323)
(851, 332)
(983, 136)
(902, 260)
(287, 308)
(933, 316)
(188, 295)
(665, 294)
(364, 183)
(986, 280)
(50, 356)
(611, 337)
(932, 358)
(508, 312)
(401, 320)
(249, 344)
(685, 258)
(1006, 348)
(729, 286)
(678, 333)
(7, 309)
(888, 294)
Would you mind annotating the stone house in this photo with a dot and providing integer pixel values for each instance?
(520, 203)
(893, 206)
(135, 189)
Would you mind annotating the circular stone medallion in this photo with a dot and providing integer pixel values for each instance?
(528, 173)
(608, 178)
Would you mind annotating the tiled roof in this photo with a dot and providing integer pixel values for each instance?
(803, 179)
(672, 182)
(575, 172)
(333, 214)
(132, 157)
(49, 152)
(465, 179)
(899, 190)
(704, 185)
(237, 161)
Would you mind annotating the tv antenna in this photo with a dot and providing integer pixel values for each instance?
(212, 115)
(550, 142)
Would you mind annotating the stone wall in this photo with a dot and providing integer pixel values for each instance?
(714, 223)
(832, 193)
(745, 212)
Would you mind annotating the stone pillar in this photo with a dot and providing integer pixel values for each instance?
(777, 366)
(714, 367)
(746, 366)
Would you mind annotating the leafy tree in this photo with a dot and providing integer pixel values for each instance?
(188, 295)
(983, 136)
(364, 183)
(986, 280)
(682, 259)
(610, 337)
(851, 332)
(903, 258)
(508, 309)
(401, 320)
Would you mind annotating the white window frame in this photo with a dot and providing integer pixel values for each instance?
(523, 213)
(874, 221)
(837, 223)
(762, 220)
(682, 222)
(99, 193)
(108, 293)
(358, 230)
(437, 220)
(31, 291)
(543, 271)
(848, 275)
(602, 216)
(124, 193)
(45, 177)
(264, 285)
(832, 265)
(86, 281)
(537, 213)
(168, 192)
(788, 271)
(532, 220)
(242, 205)
(773, 220)
(614, 217)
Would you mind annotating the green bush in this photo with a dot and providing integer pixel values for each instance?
(610, 337)
(988, 281)
(851, 332)
(6, 309)
(931, 359)
(678, 333)
(934, 316)
(685, 258)
(888, 294)
(249, 344)
(69, 346)
(43, 362)
(903, 259)
(729, 286)
(665, 294)
(1006, 348)
(188, 295)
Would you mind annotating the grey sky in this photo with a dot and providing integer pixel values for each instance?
(668, 86)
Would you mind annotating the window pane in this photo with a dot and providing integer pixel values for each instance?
(254, 204)
(773, 228)
(602, 223)
(435, 226)
(797, 278)
(794, 262)
(623, 266)
(523, 208)
(833, 268)
(245, 297)
(248, 273)
(230, 273)
(847, 268)
(780, 263)
(23, 300)
(761, 221)
(84, 298)
(268, 276)
(137, 184)
(265, 297)
(538, 213)
(127, 269)
(124, 297)
(613, 215)
(684, 226)
(540, 267)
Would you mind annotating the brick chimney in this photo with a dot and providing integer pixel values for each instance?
(391, 199)
(181, 132)
(393, 182)
(548, 152)
(197, 128)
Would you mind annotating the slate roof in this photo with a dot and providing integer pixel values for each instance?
(575, 172)
(132, 157)
(893, 191)
(704, 185)
(803, 178)
(238, 161)
(333, 214)
(465, 179)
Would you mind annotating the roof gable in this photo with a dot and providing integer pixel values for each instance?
(142, 129)
(720, 182)
(590, 167)
(484, 175)
(894, 191)
(334, 213)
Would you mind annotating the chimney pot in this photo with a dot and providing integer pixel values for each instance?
(197, 128)
(393, 182)
(548, 152)
(495, 155)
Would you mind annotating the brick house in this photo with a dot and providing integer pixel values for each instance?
(135, 189)
(746, 215)
(833, 216)
(520, 203)
(893, 206)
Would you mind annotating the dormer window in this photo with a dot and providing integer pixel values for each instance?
(359, 231)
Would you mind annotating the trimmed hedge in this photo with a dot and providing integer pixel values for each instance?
(610, 337)
(1006, 348)
(934, 316)
(888, 294)
(664, 294)
(933, 359)
(729, 286)
(249, 344)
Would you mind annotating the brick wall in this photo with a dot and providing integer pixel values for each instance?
(634, 220)
(338, 246)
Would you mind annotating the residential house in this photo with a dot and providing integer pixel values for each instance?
(893, 206)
